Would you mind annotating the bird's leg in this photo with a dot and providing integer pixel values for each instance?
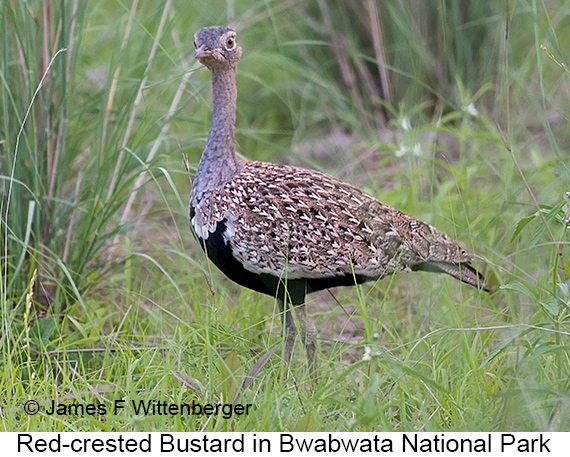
(289, 331)
(306, 329)
(308, 333)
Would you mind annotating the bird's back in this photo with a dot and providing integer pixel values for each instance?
(295, 223)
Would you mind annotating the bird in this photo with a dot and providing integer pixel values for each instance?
(287, 231)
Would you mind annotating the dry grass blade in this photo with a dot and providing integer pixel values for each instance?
(256, 369)
(165, 129)
(343, 61)
(376, 31)
(111, 97)
(189, 382)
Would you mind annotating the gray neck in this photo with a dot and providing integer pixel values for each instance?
(219, 163)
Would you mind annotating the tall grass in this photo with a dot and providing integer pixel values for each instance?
(455, 112)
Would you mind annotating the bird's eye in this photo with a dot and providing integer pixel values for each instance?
(230, 43)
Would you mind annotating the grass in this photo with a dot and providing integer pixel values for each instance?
(440, 112)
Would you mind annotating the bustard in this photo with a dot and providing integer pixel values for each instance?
(287, 231)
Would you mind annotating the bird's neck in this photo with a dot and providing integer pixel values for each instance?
(219, 163)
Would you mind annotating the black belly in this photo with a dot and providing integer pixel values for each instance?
(220, 253)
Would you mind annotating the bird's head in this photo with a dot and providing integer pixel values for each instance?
(217, 47)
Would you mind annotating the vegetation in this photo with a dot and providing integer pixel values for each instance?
(455, 112)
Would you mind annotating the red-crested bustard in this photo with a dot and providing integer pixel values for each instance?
(286, 231)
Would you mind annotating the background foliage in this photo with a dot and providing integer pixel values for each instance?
(455, 112)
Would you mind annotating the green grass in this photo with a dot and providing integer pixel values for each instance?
(105, 295)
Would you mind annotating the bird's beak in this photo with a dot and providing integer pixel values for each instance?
(202, 51)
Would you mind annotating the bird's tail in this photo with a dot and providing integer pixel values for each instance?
(462, 271)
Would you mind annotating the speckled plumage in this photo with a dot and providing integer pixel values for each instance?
(266, 225)
(299, 223)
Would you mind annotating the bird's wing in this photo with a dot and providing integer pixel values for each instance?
(283, 220)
